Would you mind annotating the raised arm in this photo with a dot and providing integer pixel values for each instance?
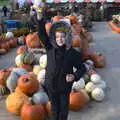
(42, 33)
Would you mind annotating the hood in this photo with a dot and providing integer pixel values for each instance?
(67, 28)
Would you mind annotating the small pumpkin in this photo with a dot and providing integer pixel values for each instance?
(22, 49)
(95, 78)
(41, 76)
(77, 101)
(28, 83)
(13, 77)
(43, 61)
(9, 35)
(90, 86)
(40, 97)
(33, 40)
(36, 69)
(31, 111)
(4, 74)
(15, 101)
(72, 18)
(98, 94)
(80, 84)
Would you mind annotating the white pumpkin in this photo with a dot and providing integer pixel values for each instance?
(13, 77)
(95, 78)
(102, 84)
(86, 94)
(41, 76)
(89, 62)
(90, 86)
(36, 69)
(43, 61)
(80, 84)
(9, 35)
(40, 97)
(98, 94)
(18, 60)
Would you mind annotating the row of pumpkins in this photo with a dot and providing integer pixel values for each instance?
(26, 88)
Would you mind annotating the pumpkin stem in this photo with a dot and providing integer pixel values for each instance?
(26, 80)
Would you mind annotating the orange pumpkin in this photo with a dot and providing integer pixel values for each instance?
(33, 40)
(76, 41)
(99, 60)
(48, 26)
(77, 101)
(28, 83)
(22, 49)
(30, 111)
(56, 18)
(114, 26)
(3, 76)
(15, 101)
(72, 18)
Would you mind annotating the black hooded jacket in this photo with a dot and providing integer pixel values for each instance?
(60, 60)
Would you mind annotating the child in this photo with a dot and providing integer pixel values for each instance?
(61, 58)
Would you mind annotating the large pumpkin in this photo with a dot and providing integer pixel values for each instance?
(77, 101)
(3, 76)
(15, 101)
(31, 111)
(28, 83)
(33, 40)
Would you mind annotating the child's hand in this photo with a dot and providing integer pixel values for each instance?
(70, 77)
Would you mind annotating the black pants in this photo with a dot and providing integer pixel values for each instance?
(60, 105)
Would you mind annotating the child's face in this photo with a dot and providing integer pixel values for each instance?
(60, 38)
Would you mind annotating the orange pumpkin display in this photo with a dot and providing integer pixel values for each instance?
(33, 40)
(30, 111)
(28, 83)
(77, 101)
(56, 18)
(3, 76)
(22, 49)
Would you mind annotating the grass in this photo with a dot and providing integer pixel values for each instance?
(4, 2)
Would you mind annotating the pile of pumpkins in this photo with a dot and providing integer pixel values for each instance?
(26, 95)
(9, 41)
